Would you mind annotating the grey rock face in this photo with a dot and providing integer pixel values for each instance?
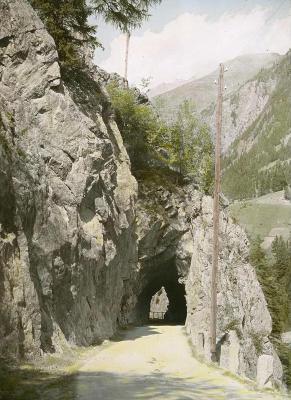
(67, 199)
(244, 322)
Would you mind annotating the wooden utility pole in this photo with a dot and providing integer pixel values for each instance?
(215, 256)
(126, 56)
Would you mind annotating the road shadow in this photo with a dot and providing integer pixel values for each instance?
(35, 385)
(17, 383)
(133, 333)
(109, 386)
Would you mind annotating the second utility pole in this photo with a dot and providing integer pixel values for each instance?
(127, 39)
(215, 256)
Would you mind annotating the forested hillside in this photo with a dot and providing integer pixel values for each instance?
(259, 160)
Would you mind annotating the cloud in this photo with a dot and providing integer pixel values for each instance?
(193, 45)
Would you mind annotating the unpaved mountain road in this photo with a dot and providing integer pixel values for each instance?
(156, 362)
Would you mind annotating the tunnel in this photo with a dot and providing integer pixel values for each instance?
(165, 275)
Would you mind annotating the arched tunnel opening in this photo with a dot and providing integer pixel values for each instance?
(161, 280)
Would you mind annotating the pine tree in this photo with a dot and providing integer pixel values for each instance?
(274, 277)
(124, 14)
(191, 147)
(282, 255)
(67, 22)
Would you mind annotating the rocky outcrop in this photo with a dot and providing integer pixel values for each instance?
(244, 323)
(79, 253)
(175, 246)
(67, 198)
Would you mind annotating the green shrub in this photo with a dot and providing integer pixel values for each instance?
(274, 275)
(183, 147)
(191, 148)
(138, 123)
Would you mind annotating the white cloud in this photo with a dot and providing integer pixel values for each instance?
(193, 45)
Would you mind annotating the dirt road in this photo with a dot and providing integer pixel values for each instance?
(156, 362)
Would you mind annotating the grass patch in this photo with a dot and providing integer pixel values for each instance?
(260, 219)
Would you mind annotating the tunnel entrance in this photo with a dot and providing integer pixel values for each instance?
(163, 298)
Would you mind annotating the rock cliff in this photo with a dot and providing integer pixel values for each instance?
(82, 248)
(67, 198)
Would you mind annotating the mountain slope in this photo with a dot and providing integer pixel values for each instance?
(203, 91)
(259, 159)
(165, 87)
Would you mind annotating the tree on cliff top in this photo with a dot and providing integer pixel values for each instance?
(67, 21)
(191, 147)
(126, 15)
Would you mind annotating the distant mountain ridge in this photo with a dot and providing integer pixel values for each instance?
(165, 87)
(256, 121)
(203, 91)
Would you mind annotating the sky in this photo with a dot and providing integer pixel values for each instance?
(185, 39)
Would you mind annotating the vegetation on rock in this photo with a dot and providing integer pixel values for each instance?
(184, 146)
